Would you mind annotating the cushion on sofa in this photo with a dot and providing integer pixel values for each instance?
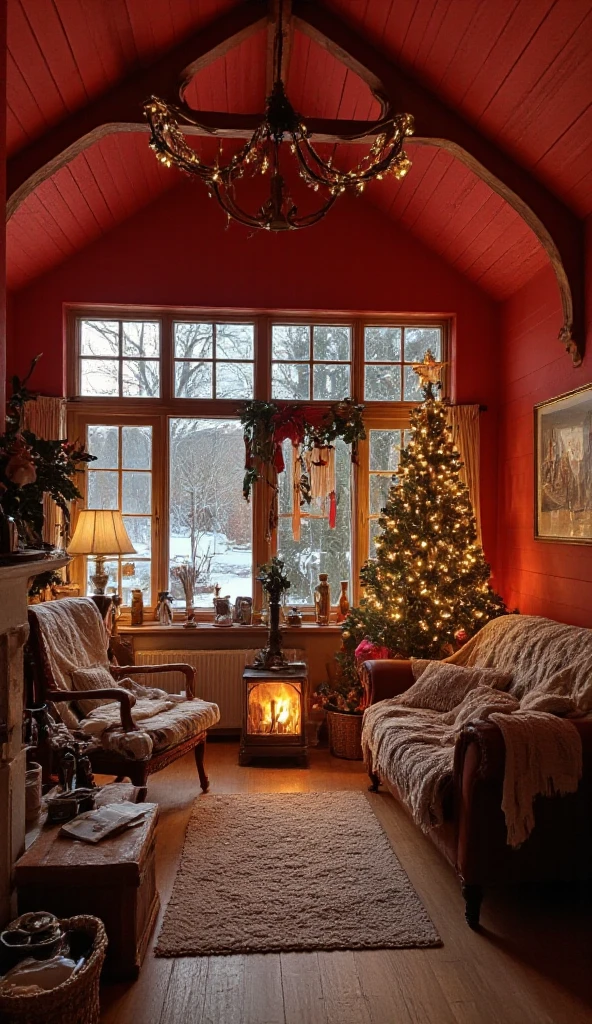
(441, 686)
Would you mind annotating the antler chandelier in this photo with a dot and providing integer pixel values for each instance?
(281, 128)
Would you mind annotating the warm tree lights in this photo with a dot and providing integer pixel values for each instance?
(429, 579)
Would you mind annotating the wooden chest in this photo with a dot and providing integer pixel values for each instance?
(115, 880)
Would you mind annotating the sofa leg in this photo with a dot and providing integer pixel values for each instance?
(199, 751)
(473, 896)
(375, 782)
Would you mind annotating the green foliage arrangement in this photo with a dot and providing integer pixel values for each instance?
(266, 426)
(31, 467)
(273, 579)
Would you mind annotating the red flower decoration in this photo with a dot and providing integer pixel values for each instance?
(368, 651)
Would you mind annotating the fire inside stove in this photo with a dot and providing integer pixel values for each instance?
(274, 709)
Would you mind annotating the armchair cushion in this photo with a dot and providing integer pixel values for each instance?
(161, 724)
(97, 677)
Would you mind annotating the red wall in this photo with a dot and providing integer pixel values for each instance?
(539, 577)
(177, 252)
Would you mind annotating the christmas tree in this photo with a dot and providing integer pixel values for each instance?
(428, 585)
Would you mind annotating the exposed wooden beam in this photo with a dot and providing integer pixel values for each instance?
(558, 229)
(215, 124)
(168, 77)
(288, 30)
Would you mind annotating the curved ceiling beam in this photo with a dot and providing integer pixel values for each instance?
(120, 108)
(557, 228)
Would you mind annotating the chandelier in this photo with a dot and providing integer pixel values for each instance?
(281, 128)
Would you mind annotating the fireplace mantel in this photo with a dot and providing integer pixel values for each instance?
(14, 629)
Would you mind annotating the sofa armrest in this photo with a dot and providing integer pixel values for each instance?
(137, 670)
(126, 701)
(481, 749)
(385, 678)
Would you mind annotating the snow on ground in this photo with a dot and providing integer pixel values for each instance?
(231, 568)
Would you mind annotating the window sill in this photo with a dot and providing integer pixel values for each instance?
(178, 629)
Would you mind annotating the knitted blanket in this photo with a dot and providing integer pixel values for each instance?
(411, 738)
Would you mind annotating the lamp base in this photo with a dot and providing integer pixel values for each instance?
(100, 578)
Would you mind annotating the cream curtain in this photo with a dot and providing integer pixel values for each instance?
(464, 423)
(46, 417)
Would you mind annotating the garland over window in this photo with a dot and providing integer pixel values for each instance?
(310, 429)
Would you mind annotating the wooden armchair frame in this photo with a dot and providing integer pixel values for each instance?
(42, 689)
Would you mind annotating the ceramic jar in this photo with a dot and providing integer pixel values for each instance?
(137, 611)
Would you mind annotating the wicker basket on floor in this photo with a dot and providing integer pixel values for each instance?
(76, 1001)
(345, 735)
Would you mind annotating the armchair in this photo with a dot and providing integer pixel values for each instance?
(70, 635)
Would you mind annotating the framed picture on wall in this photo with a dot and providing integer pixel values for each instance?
(563, 468)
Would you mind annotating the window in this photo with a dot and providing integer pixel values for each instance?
(319, 548)
(389, 354)
(121, 478)
(306, 356)
(214, 360)
(385, 449)
(209, 521)
(157, 396)
(119, 358)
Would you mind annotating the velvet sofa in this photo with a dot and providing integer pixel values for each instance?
(473, 835)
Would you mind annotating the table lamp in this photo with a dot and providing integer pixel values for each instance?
(100, 532)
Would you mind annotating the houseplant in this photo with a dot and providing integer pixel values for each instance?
(342, 697)
(31, 467)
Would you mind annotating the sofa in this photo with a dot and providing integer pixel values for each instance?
(538, 654)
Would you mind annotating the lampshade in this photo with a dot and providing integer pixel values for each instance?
(100, 532)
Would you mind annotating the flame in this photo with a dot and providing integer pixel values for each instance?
(274, 708)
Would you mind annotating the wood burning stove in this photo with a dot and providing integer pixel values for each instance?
(274, 714)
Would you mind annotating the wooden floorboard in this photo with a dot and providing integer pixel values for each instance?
(530, 964)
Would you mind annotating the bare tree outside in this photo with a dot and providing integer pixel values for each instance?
(210, 523)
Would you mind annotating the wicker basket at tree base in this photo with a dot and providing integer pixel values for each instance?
(76, 1001)
(345, 735)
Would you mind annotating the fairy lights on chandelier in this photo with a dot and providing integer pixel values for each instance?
(281, 129)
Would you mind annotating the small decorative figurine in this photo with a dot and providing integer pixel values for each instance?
(294, 617)
(223, 616)
(137, 607)
(343, 602)
(164, 608)
(322, 600)
(243, 611)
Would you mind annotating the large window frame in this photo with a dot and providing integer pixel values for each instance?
(156, 412)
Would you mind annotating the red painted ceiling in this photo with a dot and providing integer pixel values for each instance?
(519, 70)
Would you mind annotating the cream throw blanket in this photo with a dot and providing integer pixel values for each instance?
(62, 624)
(551, 667)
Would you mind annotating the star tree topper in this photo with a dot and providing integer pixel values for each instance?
(429, 371)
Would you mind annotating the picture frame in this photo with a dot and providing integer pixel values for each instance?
(563, 468)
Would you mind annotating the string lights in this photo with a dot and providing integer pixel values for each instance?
(429, 579)
(281, 129)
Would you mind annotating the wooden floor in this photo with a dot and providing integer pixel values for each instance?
(531, 964)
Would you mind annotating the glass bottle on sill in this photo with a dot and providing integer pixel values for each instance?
(322, 600)
(343, 604)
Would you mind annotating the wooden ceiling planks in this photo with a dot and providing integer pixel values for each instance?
(234, 82)
(519, 70)
(102, 187)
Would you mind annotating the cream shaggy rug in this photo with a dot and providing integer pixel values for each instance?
(274, 872)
